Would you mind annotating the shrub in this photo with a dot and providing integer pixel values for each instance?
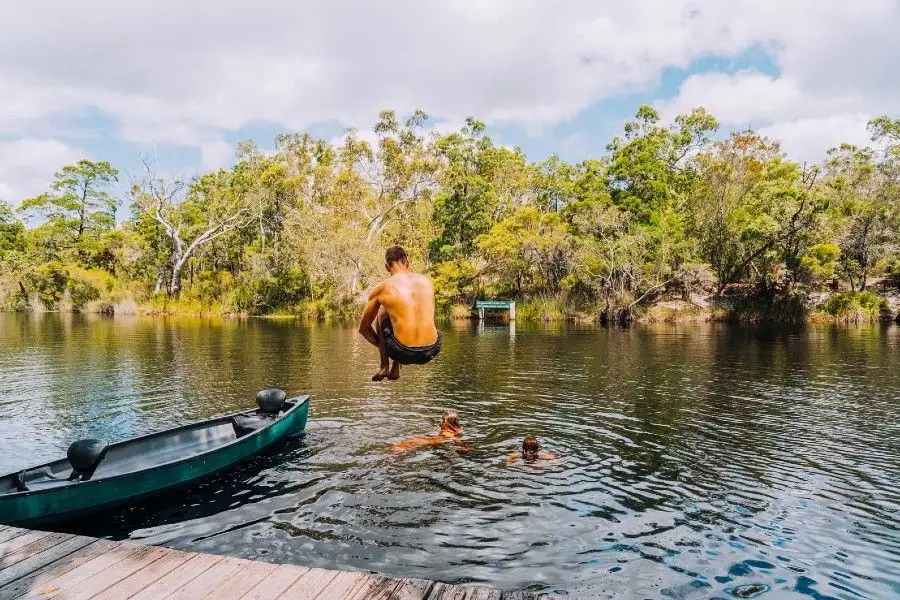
(755, 306)
(460, 312)
(48, 282)
(892, 272)
(819, 263)
(11, 298)
(267, 294)
(542, 308)
(856, 307)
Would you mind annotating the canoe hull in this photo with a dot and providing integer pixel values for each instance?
(53, 505)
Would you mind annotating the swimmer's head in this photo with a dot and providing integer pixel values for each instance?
(450, 423)
(530, 448)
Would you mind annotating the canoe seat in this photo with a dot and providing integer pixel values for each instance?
(84, 456)
(271, 401)
(37, 479)
(244, 424)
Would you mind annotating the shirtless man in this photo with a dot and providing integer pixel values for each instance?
(403, 306)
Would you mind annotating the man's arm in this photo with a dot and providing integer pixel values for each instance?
(369, 315)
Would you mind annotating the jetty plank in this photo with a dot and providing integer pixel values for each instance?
(10, 533)
(20, 541)
(99, 567)
(178, 577)
(145, 576)
(309, 585)
(348, 585)
(42, 564)
(132, 562)
(42, 576)
(39, 554)
(276, 583)
(375, 588)
(10, 558)
(199, 586)
(412, 589)
(245, 579)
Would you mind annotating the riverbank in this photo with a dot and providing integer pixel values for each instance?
(837, 308)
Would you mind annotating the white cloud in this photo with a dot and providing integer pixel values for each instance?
(836, 71)
(176, 72)
(27, 166)
(215, 155)
(810, 138)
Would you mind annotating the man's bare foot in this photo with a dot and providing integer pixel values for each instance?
(381, 374)
(394, 374)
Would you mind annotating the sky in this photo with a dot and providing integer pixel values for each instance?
(185, 81)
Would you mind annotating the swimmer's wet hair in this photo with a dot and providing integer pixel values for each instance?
(450, 420)
(530, 447)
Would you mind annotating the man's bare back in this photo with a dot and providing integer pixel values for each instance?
(408, 299)
(402, 309)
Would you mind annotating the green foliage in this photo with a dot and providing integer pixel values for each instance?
(480, 183)
(669, 214)
(12, 231)
(526, 251)
(454, 281)
(856, 307)
(863, 209)
(645, 174)
(77, 205)
(892, 271)
(542, 308)
(267, 293)
(48, 281)
(820, 264)
(762, 306)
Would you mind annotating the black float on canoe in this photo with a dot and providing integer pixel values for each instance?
(97, 476)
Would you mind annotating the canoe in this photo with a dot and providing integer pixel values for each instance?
(96, 476)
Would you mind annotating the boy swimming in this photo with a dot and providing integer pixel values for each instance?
(450, 432)
(530, 453)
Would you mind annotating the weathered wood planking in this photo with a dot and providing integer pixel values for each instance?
(276, 583)
(145, 576)
(59, 567)
(244, 579)
(37, 556)
(41, 564)
(178, 577)
(8, 533)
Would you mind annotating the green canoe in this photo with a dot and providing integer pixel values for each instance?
(96, 476)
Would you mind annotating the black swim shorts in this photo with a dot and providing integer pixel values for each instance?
(405, 355)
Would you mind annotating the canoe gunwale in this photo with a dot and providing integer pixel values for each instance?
(296, 401)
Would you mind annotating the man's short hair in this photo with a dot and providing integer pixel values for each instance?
(395, 254)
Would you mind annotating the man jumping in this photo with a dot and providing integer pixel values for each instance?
(403, 305)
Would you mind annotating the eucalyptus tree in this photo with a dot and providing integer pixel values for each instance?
(191, 215)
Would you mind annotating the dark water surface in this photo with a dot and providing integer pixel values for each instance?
(694, 462)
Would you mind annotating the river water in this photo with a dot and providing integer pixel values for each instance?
(704, 461)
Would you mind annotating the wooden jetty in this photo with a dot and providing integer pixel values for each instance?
(43, 564)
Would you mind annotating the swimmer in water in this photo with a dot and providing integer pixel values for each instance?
(530, 453)
(451, 432)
